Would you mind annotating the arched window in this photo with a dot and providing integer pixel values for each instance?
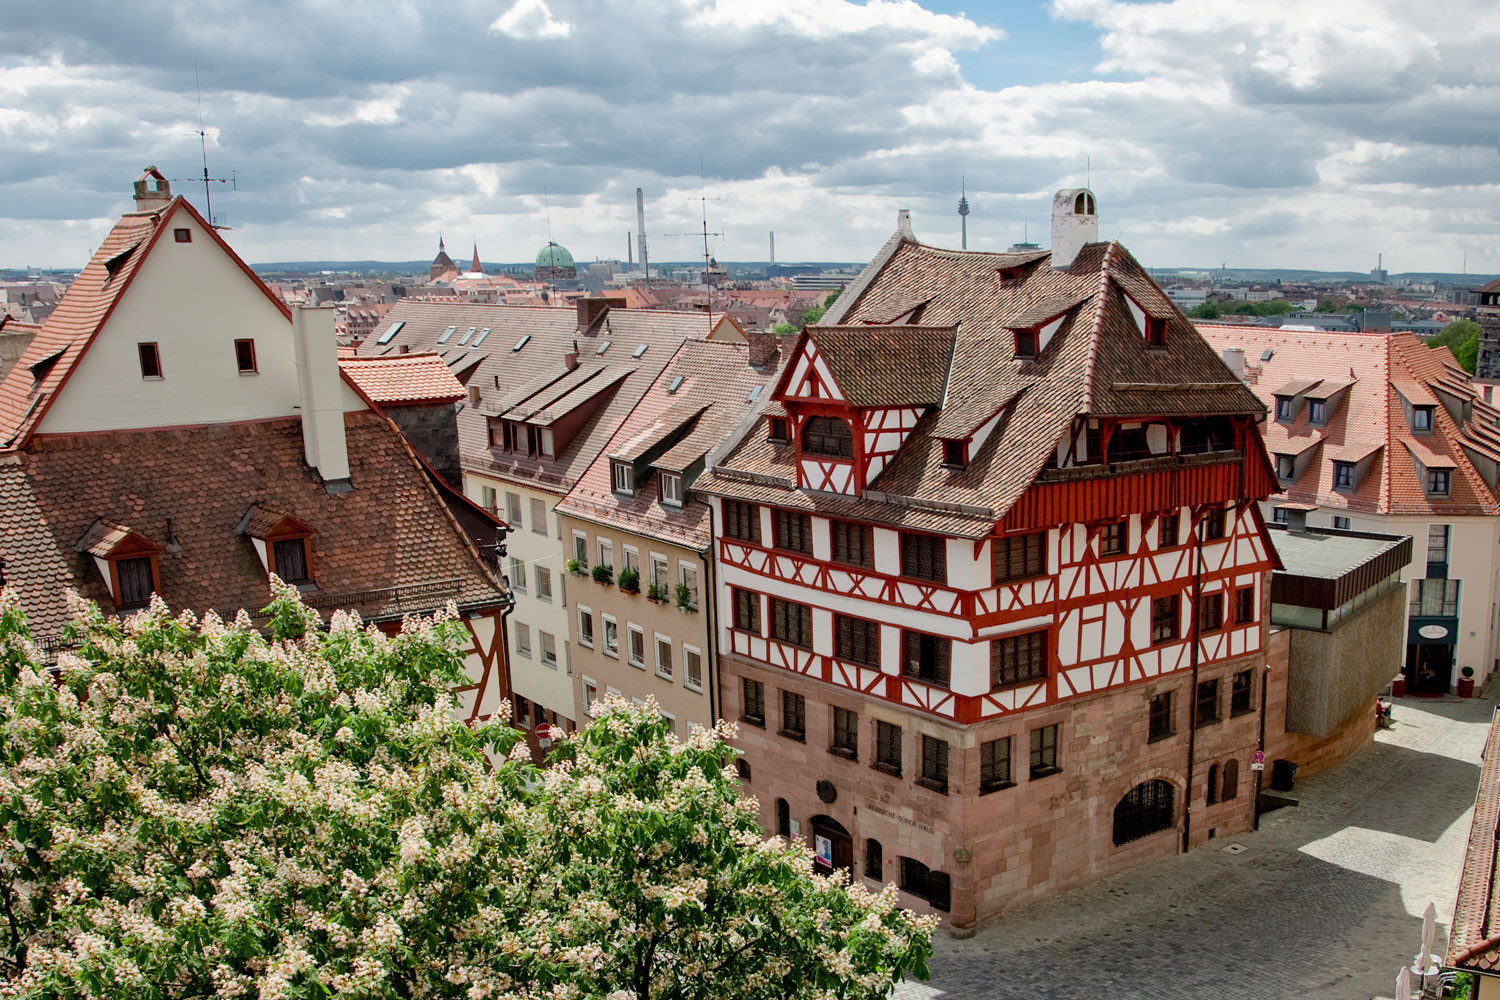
(783, 818)
(827, 436)
(1213, 783)
(1144, 810)
(1080, 204)
(874, 860)
(1231, 780)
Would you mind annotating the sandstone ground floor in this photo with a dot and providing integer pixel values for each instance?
(1325, 900)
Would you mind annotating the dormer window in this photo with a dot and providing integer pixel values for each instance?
(126, 560)
(1343, 475)
(1156, 332)
(671, 489)
(1284, 407)
(623, 477)
(137, 581)
(1437, 482)
(291, 559)
(1026, 343)
(828, 436)
(1317, 411)
(1421, 419)
(1286, 467)
(780, 432)
(281, 541)
(955, 454)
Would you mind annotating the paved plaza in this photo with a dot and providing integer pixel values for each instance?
(1325, 901)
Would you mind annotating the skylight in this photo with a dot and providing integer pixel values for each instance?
(521, 343)
(676, 384)
(446, 334)
(391, 331)
(755, 394)
(603, 347)
(639, 351)
(1267, 353)
(465, 338)
(480, 339)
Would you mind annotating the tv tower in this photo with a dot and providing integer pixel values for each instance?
(963, 215)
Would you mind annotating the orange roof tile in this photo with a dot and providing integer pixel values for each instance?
(403, 379)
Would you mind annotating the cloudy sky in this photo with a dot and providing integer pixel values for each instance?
(1267, 133)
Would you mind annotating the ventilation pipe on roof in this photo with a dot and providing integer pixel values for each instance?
(1234, 357)
(320, 392)
(1075, 222)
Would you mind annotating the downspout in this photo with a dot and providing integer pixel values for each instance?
(1265, 682)
(1187, 803)
(710, 598)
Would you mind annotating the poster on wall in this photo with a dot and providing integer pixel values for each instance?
(823, 850)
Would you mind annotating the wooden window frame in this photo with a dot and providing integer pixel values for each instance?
(778, 430)
(845, 739)
(840, 535)
(246, 344)
(1160, 717)
(1206, 703)
(1034, 644)
(1210, 612)
(996, 765)
(117, 581)
(888, 737)
(1244, 605)
(822, 429)
(183, 235)
(1032, 558)
(1174, 520)
(273, 547)
(150, 349)
(742, 521)
(933, 886)
(746, 611)
(784, 629)
(1112, 538)
(939, 672)
(930, 564)
(854, 636)
(753, 702)
(793, 716)
(1241, 693)
(1044, 750)
(1166, 619)
(791, 531)
(934, 771)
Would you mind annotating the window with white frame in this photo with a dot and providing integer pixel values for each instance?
(517, 575)
(623, 478)
(637, 651)
(513, 509)
(663, 656)
(671, 489)
(606, 553)
(611, 636)
(590, 695)
(692, 667)
(585, 627)
(523, 639)
(487, 498)
(543, 584)
(659, 570)
(630, 558)
(549, 649)
(581, 549)
(687, 575)
(538, 516)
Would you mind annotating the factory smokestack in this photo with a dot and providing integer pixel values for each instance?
(640, 230)
(773, 248)
(629, 251)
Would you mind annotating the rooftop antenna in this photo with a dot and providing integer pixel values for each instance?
(202, 133)
(707, 271)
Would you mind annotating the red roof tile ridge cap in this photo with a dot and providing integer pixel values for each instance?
(1098, 330)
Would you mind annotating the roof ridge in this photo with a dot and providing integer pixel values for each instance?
(1097, 332)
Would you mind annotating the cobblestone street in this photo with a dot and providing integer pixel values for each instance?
(1325, 902)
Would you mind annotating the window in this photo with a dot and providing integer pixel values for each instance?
(1231, 788)
(1317, 411)
(1207, 702)
(1165, 618)
(1156, 332)
(586, 627)
(1211, 786)
(926, 656)
(523, 639)
(754, 694)
(1211, 613)
(182, 235)
(538, 517)
(742, 768)
(1340, 523)
(581, 549)
(874, 859)
(828, 436)
(513, 509)
(994, 765)
(590, 695)
(636, 651)
(1284, 407)
(921, 881)
(888, 747)
(522, 713)
(624, 477)
(606, 554)
(611, 636)
(856, 640)
(791, 622)
(291, 559)
(543, 583)
(1160, 717)
(150, 360)
(747, 610)
(1437, 549)
(783, 818)
(934, 764)
(1168, 530)
(659, 572)
(1019, 557)
(953, 454)
(487, 499)
(1421, 419)
(1239, 692)
(742, 521)
(924, 557)
(517, 575)
(244, 356)
(1281, 516)
(1016, 659)
(1286, 467)
(692, 668)
(853, 544)
(671, 489)
(1146, 809)
(630, 558)
(1112, 539)
(136, 581)
(1213, 525)
(663, 657)
(1026, 342)
(549, 649)
(1435, 597)
(1044, 751)
(845, 733)
(793, 715)
(793, 532)
(1244, 606)
(1437, 482)
(778, 430)
(1343, 475)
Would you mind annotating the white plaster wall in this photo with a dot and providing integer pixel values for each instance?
(887, 551)
(966, 571)
(192, 300)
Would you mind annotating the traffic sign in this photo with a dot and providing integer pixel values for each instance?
(544, 730)
(1258, 757)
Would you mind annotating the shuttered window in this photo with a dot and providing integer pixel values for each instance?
(853, 544)
(1020, 557)
(856, 640)
(1015, 659)
(741, 521)
(926, 656)
(791, 622)
(924, 557)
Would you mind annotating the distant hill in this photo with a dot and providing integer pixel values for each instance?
(1264, 275)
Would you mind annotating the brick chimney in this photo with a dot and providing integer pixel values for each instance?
(762, 344)
(591, 308)
(570, 358)
(152, 190)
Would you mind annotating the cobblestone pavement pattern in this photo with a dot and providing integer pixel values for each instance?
(1325, 903)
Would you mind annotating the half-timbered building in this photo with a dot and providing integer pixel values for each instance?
(992, 579)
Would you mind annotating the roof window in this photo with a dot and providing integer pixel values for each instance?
(1026, 343)
(465, 338)
(1421, 419)
(755, 394)
(955, 454)
(676, 384)
(603, 347)
(639, 351)
(447, 335)
(392, 330)
(521, 343)
(1268, 354)
(480, 339)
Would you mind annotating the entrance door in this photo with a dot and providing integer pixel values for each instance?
(833, 847)
(1429, 667)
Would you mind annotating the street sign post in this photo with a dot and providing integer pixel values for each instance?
(1258, 761)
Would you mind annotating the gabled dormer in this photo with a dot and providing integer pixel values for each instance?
(1034, 327)
(127, 560)
(1150, 325)
(1418, 404)
(282, 543)
(1325, 398)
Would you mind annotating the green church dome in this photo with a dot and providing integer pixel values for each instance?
(553, 255)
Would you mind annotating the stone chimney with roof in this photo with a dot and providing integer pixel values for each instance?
(1075, 223)
(321, 394)
(152, 190)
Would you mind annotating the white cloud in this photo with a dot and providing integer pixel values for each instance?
(530, 19)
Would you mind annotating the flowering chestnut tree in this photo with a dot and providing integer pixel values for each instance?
(194, 808)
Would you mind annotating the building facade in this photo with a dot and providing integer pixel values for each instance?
(992, 590)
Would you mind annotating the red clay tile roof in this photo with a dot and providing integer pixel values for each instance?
(84, 309)
(1474, 940)
(187, 490)
(403, 379)
(1370, 416)
(885, 365)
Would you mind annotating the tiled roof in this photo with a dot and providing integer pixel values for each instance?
(1370, 417)
(187, 490)
(1474, 940)
(887, 365)
(525, 350)
(1095, 363)
(716, 385)
(403, 379)
(91, 298)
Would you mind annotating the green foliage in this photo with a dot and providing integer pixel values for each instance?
(685, 597)
(1463, 986)
(656, 592)
(1462, 338)
(576, 567)
(783, 329)
(630, 580)
(1207, 310)
(816, 312)
(197, 809)
(603, 574)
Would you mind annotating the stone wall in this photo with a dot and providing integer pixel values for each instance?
(12, 346)
(433, 432)
(1312, 754)
(1333, 675)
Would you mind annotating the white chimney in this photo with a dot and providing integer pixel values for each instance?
(1075, 222)
(903, 223)
(1234, 357)
(321, 391)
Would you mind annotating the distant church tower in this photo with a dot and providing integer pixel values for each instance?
(1487, 368)
(477, 268)
(441, 264)
(963, 215)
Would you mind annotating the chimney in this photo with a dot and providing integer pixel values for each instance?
(1075, 222)
(903, 223)
(640, 230)
(570, 358)
(762, 344)
(1234, 357)
(152, 190)
(474, 396)
(591, 308)
(320, 393)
